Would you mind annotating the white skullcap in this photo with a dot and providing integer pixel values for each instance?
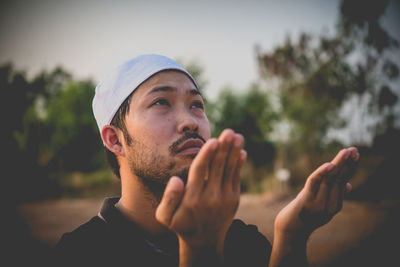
(122, 81)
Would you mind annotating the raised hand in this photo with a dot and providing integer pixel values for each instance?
(202, 212)
(322, 196)
(315, 205)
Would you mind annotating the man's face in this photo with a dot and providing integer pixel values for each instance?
(167, 125)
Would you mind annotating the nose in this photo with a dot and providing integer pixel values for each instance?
(188, 123)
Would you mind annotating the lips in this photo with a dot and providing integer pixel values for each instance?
(191, 146)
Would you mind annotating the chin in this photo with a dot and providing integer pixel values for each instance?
(183, 173)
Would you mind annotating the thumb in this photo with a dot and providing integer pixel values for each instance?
(172, 197)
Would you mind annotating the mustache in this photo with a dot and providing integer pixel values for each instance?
(173, 148)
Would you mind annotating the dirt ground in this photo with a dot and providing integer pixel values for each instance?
(362, 234)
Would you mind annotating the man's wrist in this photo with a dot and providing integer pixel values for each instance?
(289, 250)
(296, 237)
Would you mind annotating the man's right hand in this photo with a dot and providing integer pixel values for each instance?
(202, 212)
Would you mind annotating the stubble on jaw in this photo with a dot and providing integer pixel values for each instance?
(155, 170)
(152, 169)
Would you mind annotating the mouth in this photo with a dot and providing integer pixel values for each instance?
(190, 147)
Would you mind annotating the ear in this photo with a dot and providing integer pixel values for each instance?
(110, 136)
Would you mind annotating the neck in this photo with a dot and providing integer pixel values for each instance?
(138, 204)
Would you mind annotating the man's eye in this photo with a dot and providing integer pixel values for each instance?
(198, 104)
(161, 102)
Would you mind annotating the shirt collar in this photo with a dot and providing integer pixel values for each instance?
(109, 213)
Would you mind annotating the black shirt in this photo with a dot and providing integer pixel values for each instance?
(110, 239)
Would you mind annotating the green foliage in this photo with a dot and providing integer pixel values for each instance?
(315, 78)
(50, 128)
(74, 140)
(251, 115)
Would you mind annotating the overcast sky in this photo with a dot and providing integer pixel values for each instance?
(87, 37)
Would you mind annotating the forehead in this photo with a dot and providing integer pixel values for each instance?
(177, 80)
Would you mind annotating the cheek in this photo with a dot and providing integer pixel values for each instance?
(205, 131)
(155, 132)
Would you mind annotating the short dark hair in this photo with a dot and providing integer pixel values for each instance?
(119, 122)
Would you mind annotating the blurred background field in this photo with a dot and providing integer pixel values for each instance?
(362, 234)
(313, 94)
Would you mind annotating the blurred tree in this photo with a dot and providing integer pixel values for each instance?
(49, 128)
(33, 135)
(74, 143)
(316, 78)
(24, 179)
(249, 114)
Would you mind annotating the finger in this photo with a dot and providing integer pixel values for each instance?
(346, 173)
(233, 159)
(346, 169)
(200, 167)
(170, 201)
(339, 161)
(314, 180)
(335, 199)
(335, 202)
(219, 161)
(339, 192)
(354, 155)
(341, 157)
(238, 171)
(321, 192)
(321, 195)
(357, 156)
(338, 181)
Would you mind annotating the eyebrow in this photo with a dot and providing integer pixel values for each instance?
(173, 89)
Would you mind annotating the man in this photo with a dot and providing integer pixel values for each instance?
(180, 188)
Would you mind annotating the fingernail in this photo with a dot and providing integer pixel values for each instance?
(243, 154)
(175, 183)
(213, 143)
(238, 142)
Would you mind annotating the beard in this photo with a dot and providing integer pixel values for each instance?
(155, 170)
